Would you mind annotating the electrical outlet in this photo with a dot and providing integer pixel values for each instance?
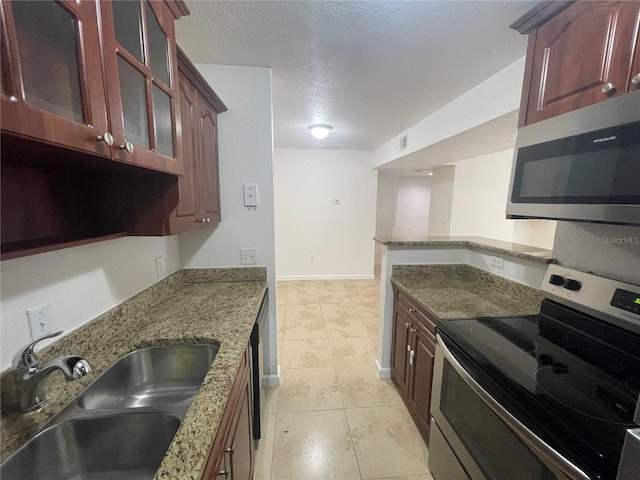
(496, 262)
(39, 321)
(160, 266)
(248, 256)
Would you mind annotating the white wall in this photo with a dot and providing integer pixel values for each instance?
(496, 96)
(385, 203)
(308, 223)
(480, 197)
(245, 140)
(413, 196)
(442, 183)
(78, 284)
(480, 194)
(611, 251)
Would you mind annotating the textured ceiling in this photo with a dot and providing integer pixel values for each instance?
(371, 69)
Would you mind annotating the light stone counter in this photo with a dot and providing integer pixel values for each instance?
(517, 250)
(462, 291)
(191, 306)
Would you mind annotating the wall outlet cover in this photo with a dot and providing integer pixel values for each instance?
(248, 256)
(160, 266)
(497, 262)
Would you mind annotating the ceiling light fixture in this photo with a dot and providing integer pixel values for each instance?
(320, 131)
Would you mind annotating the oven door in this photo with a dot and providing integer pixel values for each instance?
(487, 441)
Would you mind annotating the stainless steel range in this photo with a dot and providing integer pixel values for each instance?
(548, 396)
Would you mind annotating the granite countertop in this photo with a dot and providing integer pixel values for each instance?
(534, 254)
(463, 291)
(191, 306)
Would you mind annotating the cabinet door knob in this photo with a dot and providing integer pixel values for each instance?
(609, 88)
(106, 137)
(412, 310)
(636, 79)
(413, 330)
(411, 355)
(128, 146)
(407, 324)
(224, 473)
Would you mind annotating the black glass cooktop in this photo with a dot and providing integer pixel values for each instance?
(572, 379)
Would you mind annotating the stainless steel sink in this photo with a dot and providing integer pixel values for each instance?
(124, 446)
(150, 377)
(121, 426)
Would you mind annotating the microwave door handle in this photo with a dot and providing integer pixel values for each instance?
(544, 451)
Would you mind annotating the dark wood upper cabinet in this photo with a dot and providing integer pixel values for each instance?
(585, 54)
(199, 187)
(142, 83)
(94, 76)
(80, 79)
(52, 74)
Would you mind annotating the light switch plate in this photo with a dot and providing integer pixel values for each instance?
(39, 321)
(250, 195)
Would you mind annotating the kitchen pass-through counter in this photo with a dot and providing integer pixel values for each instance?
(191, 306)
(461, 291)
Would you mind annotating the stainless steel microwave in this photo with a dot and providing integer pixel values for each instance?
(580, 166)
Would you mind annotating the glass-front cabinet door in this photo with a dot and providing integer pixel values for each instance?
(142, 83)
(52, 82)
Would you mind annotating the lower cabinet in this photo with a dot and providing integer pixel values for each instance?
(232, 453)
(412, 356)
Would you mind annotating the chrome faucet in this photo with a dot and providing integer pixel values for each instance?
(30, 377)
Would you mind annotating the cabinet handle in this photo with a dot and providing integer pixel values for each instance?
(407, 324)
(411, 355)
(636, 79)
(106, 137)
(230, 450)
(412, 310)
(408, 348)
(224, 473)
(413, 330)
(609, 88)
(128, 146)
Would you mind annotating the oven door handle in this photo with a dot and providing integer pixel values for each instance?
(542, 449)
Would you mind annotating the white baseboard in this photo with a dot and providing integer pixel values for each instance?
(271, 380)
(382, 372)
(290, 278)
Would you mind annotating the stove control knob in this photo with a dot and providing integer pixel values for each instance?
(556, 280)
(573, 285)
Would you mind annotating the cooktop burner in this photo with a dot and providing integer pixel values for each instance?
(588, 395)
(633, 385)
(504, 338)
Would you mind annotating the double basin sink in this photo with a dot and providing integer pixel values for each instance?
(122, 424)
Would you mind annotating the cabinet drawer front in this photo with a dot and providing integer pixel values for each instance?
(416, 313)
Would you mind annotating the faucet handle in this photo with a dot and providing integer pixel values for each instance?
(26, 356)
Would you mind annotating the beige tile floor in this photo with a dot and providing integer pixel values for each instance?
(332, 417)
